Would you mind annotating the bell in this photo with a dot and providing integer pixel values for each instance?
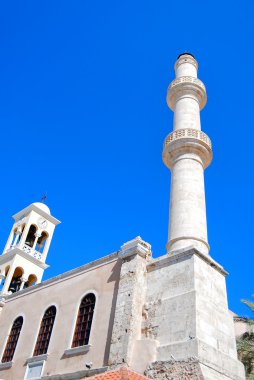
(29, 243)
(12, 289)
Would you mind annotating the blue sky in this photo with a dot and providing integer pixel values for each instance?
(83, 116)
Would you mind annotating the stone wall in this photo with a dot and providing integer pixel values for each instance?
(130, 301)
(175, 370)
(187, 313)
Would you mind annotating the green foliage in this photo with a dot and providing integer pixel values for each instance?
(245, 344)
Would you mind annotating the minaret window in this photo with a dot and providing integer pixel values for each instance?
(46, 328)
(41, 242)
(16, 280)
(12, 340)
(84, 321)
(31, 236)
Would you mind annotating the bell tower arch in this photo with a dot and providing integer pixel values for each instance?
(23, 260)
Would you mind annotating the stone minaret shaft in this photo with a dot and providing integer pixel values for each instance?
(187, 152)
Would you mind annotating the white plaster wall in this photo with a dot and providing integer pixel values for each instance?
(28, 267)
(66, 295)
(242, 327)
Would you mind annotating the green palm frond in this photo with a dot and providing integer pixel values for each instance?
(249, 304)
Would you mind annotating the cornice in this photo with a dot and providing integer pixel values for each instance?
(17, 251)
(65, 276)
(184, 254)
(39, 211)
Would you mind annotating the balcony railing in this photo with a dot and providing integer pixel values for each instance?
(32, 252)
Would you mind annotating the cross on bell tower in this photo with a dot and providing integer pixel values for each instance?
(44, 198)
(22, 262)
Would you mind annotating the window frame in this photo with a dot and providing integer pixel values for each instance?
(39, 331)
(8, 338)
(88, 343)
(33, 364)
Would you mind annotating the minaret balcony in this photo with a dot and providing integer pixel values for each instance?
(186, 86)
(187, 141)
(188, 132)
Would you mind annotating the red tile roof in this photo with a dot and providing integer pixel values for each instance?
(122, 373)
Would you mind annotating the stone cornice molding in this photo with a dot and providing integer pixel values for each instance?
(184, 254)
(6, 365)
(38, 210)
(186, 86)
(17, 251)
(38, 358)
(76, 350)
(65, 276)
(136, 246)
(187, 238)
(194, 143)
(76, 375)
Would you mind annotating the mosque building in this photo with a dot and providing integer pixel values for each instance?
(126, 315)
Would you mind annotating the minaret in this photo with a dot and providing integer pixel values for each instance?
(196, 321)
(23, 260)
(187, 152)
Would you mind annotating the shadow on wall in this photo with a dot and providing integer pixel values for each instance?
(115, 277)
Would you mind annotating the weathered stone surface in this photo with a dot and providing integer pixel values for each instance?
(175, 370)
(187, 313)
(130, 301)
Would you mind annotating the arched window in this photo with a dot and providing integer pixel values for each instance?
(31, 236)
(84, 321)
(46, 328)
(12, 340)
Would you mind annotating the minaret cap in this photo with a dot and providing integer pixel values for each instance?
(186, 58)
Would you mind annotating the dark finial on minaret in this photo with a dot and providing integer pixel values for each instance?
(185, 53)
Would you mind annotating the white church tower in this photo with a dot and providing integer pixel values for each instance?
(23, 260)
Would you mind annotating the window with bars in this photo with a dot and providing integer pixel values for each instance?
(46, 328)
(12, 340)
(84, 321)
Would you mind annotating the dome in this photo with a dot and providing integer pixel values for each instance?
(185, 53)
(42, 207)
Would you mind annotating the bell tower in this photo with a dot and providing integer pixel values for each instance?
(23, 260)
